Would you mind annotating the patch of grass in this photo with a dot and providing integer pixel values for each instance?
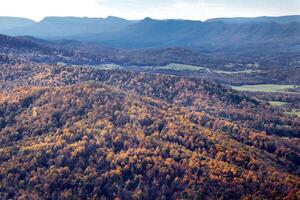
(230, 65)
(294, 112)
(109, 66)
(265, 88)
(277, 103)
(237, 72)
(297, 113)
(252, 65)
(180, 67)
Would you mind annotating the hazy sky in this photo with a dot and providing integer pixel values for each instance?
(160, 9)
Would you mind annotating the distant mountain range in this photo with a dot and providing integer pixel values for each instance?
(7, 23)
(240, 20)
(152, 33)
(274, 32)
(61, 27)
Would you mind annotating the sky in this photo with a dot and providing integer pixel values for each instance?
(158, 9)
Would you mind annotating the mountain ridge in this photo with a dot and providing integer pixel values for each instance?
(277, 19)
(151, 33)
(7, 23)
(65, 26)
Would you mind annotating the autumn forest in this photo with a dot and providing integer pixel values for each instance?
(150, 109)
(84, 133)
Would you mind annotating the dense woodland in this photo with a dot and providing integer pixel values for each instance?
(78, 132)
(278, 67)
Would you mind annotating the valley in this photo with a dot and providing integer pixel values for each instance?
(150, 109)
(288, 96)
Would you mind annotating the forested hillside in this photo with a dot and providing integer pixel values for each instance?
(232, 67)
(68, 133)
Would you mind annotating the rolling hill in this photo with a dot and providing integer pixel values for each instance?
(273, 65)
(87, 133)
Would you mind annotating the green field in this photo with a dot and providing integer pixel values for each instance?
(265, 88)
(180, 67)
(237, 72)
(277, 103)
(295, 112)
(109, 66)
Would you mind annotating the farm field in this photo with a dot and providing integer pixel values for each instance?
(265, 88)
(294, 112)
(109, 66)
(185, 67)
(179, 67)
(237, 72)
(277, 103)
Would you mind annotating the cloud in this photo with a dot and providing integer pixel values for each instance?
(37, 9)
(137, 9)
(200, 9)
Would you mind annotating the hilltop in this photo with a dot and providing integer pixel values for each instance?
(7, 23)
(89, 133)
